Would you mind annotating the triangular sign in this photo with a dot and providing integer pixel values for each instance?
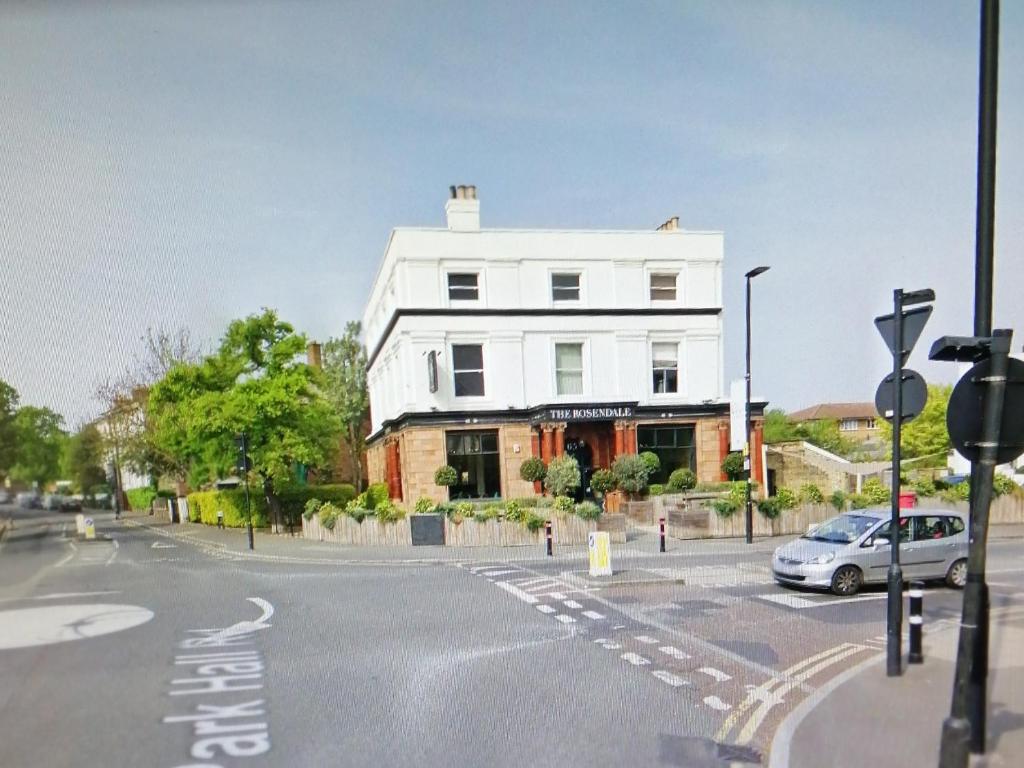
(913, 323)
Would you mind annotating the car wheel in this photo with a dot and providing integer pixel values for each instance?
(957, 575)
(846, 580)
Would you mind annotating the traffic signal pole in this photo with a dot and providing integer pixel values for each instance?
(894, 622)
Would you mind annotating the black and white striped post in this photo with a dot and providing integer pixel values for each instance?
(916, 656)
(661, 533)
(550, 538)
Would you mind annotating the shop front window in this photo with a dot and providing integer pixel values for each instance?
(674, 446)
(475, 458)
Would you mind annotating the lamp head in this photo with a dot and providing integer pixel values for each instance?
(757, 271)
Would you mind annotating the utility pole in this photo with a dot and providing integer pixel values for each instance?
(894, 622)
(748, 459)
(244, 465)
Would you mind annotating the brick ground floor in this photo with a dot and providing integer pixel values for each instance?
(487, 449)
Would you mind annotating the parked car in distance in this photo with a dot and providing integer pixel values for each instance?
(5, 496)
(52, 501)
(853, 549)
(29, 500)
(70, 504)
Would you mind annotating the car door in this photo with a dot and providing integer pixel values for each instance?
(929, 547)
(881, 556)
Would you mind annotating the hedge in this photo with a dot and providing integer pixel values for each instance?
(293, 499)
(203, 506)
(140, 498)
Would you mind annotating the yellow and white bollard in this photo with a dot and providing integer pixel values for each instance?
(90, 529)
(80, 524)
(599, 547)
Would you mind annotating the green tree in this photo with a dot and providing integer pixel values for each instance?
(344, 385)
(39, 447)
(256, 383)
(8, 433)
(926, 435)
(824, 433)
(84, 457)
(778, 428)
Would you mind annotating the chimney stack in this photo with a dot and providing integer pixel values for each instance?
(463, 209)
(313, 355)
(672, 225)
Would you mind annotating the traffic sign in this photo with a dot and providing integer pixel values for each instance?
(913, 323)
(967, 405)
(915, 395)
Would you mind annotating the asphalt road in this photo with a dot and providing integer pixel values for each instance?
(144, 650)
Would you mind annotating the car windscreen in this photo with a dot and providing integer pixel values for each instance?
(842, 529)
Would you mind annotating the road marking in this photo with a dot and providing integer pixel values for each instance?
(667, 677)
(802, 603)
(161, 545)
(557, 595)
(63, 595)
(545, 609)
(45, 625)
(64, 561)
(571, 604)
(565, 619)
(503, 572)
(113, 554)
(593, 615)
(635, 659)
(716, 703)
(794, 676)
(675, 653)
(718, 674)
(513, 590)
(608, 644)
(646, 640)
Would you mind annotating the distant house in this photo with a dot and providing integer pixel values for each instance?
(857, 421)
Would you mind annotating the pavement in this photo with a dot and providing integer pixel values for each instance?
(907, 711)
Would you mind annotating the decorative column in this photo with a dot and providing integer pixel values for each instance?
(629, 437)
(535, 451)
(393, 469)
(620, 439)
(547, 448)
(559, 440)
(757, 472)
(723, 448)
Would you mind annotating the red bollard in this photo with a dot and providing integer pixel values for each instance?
(661, 531)
(547, 534)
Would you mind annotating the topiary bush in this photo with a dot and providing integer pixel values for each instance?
(650, 458)
(533, 469)
(311, 508)
(732, 465)
(603, 481)
(811, 494)
(388, 512)
(875, 492)
(631, 472)
(682, 480)
(446, 476)
(424, 506)
(588, 510)
(563, 476)
(564, 505)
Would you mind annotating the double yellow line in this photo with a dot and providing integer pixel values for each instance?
(771, 693)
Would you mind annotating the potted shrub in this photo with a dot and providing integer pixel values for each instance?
(563, 476)
(682, 480)
(631, 472)
(732, 466)
(533, 470)
(446, 476)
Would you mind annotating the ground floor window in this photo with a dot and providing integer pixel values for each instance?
(475, 458)
(673, 445)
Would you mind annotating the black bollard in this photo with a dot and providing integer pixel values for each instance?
(916, 656)
(547, 534)
(661, 532)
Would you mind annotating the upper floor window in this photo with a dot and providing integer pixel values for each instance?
(462, 286)
(569, 369)
(468, 368)
(848, 425)
(663, 287)
(565, 287)
(665, 365)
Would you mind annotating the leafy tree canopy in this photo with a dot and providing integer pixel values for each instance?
(39, 445)
(344, 386)
(84, 459)
(8, 436)
(926, 435)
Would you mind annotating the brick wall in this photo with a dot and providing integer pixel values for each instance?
(422, 451)
(509, 436)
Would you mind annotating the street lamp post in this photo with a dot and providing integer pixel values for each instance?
(748, 459)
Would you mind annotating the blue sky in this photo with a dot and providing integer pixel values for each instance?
(166, 164)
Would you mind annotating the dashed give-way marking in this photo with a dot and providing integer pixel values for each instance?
(667, 677)
(635, 658)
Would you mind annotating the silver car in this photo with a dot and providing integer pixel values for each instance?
(853, 549)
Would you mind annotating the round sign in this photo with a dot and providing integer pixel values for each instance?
(967, 408)
(915, 395)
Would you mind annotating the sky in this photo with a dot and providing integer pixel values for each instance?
(181, 164)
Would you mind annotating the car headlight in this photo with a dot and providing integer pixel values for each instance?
(828, 557)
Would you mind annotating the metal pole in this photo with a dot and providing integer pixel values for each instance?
(894, 623)
(661, 533)
(748, 514)
(965, 727)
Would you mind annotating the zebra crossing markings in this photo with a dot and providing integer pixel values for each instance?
(802, 603)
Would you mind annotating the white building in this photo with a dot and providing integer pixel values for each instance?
(488, 346)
